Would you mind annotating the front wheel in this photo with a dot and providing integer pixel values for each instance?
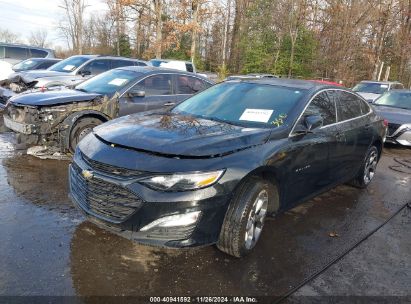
(368, 169)
(81, 128)
(245, 216)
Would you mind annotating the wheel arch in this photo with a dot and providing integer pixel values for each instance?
(271, 175)
(70, 121)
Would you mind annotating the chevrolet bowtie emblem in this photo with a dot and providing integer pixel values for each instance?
(87, 174)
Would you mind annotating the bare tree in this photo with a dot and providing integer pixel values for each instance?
(38, 38)
(72, 26)
(8, 36)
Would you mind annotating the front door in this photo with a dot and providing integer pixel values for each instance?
(309, 153)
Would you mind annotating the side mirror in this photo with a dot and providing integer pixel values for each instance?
(313, 121)
(138, 93)
(85, 73)
(310, 122)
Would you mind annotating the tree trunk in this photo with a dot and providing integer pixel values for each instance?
(194, 36)
(158, 8)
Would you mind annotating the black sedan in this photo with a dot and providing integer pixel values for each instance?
(211, 169)
(59, 118)
(395, 106)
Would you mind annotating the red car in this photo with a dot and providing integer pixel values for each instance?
(327, 82)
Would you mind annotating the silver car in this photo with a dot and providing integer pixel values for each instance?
(371, 90)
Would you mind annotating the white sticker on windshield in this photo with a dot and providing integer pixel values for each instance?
(29, 62)
(69, 67)
(118, 81)
(259, 115)
(384, 86)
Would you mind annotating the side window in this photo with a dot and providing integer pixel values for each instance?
(397, 86)
(140, 63)
(189, 85)
(45, 65)
(97, 66)
(322, 105)
(189, 67)
(155, 85)
(1, 51)
(16, 52)
(38, 53)
(121, 63)
(348, 106)
(365, 108)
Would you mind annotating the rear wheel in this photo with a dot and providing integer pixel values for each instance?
(81, 128)
(368, 169)
(245, 216)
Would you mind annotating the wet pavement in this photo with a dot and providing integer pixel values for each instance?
(46, 247)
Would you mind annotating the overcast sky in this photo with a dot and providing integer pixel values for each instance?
(24, 16)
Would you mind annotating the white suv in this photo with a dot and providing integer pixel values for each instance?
(10, 54)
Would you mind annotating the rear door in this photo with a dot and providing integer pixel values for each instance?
(310, 152)
(158, 93)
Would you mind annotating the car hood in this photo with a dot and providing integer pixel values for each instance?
(369, 96)
(394, 115)
(179, 136)
(52, 97)
(30, 76)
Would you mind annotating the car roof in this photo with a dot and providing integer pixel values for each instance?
(152, 69)
(291, 83)
(25, 45)
(381, 82)
(175, 60)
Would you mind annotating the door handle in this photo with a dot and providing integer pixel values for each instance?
(169, 103)
(367, 127)
(340, 136)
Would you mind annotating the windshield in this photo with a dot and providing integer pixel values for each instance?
(25, 65)
(68, 65)
(108, 83)
(369, 87)
(243, 104)
(395, 99)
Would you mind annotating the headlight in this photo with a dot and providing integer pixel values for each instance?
(406, 126)
(183, 181)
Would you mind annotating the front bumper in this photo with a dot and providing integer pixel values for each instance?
(124, 206)
(18, 126)
(400, 136)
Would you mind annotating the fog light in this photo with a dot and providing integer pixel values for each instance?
(185, 219)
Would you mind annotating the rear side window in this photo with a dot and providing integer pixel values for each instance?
(121, 63)
(322, 105)
(155, 85)
(38, 53)
(348, 106)
(189, 67)
(16, 52)
(97, 66)
(189, 85)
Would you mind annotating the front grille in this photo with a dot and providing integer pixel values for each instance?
(109, 169)
(392, 128)
(110, 201)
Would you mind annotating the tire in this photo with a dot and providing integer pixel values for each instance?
(81, 128)
(368, 169)
(235, 237)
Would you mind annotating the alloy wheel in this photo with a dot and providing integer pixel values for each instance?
(255, 220)
(370, 167)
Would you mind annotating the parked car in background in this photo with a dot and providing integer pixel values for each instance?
(212, 168)
(395, 106)
(251, 76)
(34, 64)
(371, 90)
(333, 83)
(60, 118)
(68, 72)
(11, 54)
(181, 65)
